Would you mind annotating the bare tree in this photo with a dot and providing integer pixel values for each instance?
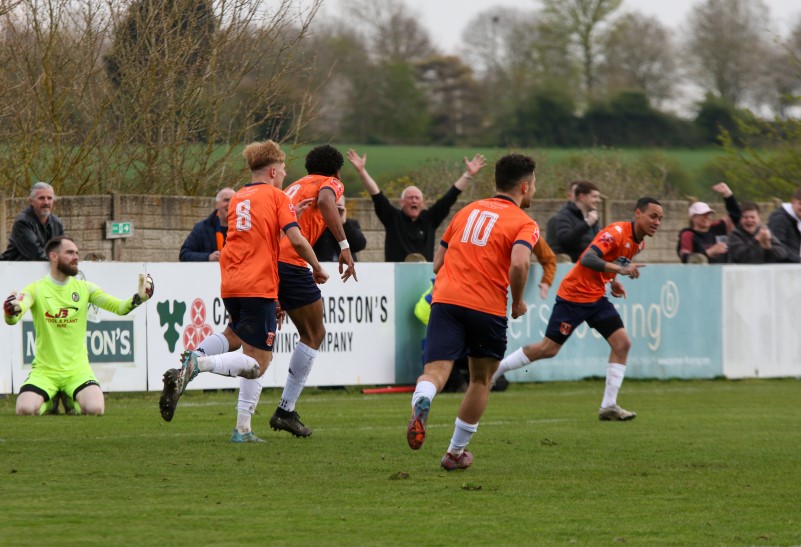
(391, 31)
(508, 43)
(632, 61)
(53, 92)
(583, 20)
(150, 96)
(726, 46)
(782, 74)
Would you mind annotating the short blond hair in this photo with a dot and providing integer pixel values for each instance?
(260, 154)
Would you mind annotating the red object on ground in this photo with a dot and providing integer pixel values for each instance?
(390, 389)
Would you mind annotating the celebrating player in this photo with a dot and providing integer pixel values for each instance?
(257, 215)
(582, 297)
(58, 303)
(485, 250)
(298, 294)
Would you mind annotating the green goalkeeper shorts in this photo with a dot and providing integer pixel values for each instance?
(48, 383)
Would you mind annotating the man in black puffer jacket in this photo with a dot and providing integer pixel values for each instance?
(34, 226)
(574, 226)
(785, 224)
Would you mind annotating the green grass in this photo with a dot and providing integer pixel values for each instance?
(705, 463)
(386, 163)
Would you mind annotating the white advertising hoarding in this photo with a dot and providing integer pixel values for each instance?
(359, 346)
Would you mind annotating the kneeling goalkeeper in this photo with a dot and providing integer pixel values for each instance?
(58, 303)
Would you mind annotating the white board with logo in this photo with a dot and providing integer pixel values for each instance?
(359, 317)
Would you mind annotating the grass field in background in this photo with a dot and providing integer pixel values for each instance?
(704, 463)
(386, 163)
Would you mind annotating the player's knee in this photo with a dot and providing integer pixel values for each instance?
(622, 343)
(27, 410)
(546, 350)
(317, 336)
(93, 409)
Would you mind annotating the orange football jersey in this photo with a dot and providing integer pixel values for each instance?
(480, 238)
(249, 261)
(311, 221)
(616, 243)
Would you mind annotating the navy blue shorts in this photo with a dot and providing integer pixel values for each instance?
(455, 331)
(253, 320)
(568, 316)
(296, 286)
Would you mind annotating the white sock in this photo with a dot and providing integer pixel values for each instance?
(232, 363)
(614, 379)
(216, 344)
(515, 360)
(249, 393)
(300, 365)
(423, 389)
(462, 433)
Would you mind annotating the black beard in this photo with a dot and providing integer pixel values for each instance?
(68, 269)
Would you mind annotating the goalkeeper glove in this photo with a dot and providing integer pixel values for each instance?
(144, 291)
(11, 305)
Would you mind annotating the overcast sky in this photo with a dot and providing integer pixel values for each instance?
(446, 19)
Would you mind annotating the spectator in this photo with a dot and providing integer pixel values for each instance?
(707, 236)
(207, 238)
(327, 247)
(785, 224)
(34, 226)
(574, 226)
(412, 228)
(752, 242)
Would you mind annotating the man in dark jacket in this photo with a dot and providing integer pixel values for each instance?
(574, 226)
(785, 223)
(327, 247)
(412, 228)
(207, 238)
(752, 242)
(34, 226)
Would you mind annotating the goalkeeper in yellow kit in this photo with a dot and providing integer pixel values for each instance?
(58, 303)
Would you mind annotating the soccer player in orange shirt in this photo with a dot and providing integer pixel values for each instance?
(582, 297)
(257, 215)
(297, 292)
(485, 250)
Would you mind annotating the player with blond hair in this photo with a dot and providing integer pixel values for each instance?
(257, 216)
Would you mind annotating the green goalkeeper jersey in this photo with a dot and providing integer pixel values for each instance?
(59, 317)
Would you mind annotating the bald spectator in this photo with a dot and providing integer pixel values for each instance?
(412, 228)
(34, 226)
(207, 238)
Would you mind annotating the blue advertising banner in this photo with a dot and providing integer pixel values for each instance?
(671, 313)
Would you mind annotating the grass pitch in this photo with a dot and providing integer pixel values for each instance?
(704, 463)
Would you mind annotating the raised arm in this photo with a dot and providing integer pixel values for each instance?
(360, 163)
(471, 168)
